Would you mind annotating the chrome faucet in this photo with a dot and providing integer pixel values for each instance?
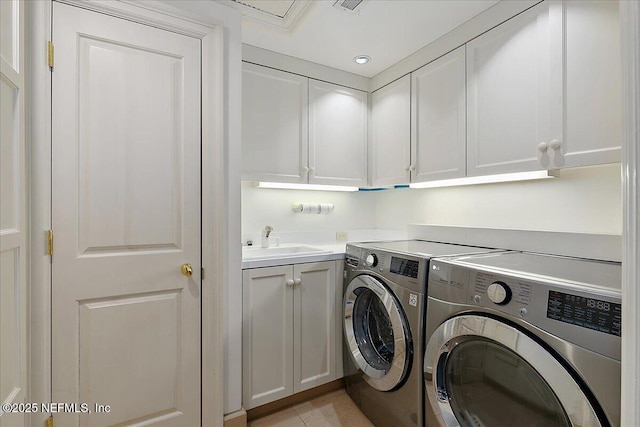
(265, 236)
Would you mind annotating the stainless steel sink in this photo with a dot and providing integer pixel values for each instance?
(282, 251)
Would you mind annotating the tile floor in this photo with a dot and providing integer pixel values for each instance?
(334, 409)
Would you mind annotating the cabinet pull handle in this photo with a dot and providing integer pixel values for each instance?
(297, 281)
(542, 147)
(305, 170)
(290, 282)
(555, 144)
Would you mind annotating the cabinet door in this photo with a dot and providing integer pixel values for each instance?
(391, 133)
(314, 352)
(274, 125)
(514, 93)
(337, 135)
(593, 89)
(438, 138)
(267, 335)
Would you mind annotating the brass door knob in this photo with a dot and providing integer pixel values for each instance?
(186, 269)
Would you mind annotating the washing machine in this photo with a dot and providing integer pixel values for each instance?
(384, 303)
(522, 339)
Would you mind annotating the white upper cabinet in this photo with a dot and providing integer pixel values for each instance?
(391, 133)
(438, 139)
(514, 93)
(337, 135)
(593, 90)
(299, 130)
(274, 125)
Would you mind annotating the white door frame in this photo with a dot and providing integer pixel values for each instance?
(630, 19)
(218, 28)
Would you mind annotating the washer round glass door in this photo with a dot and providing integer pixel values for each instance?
(488, 373)
(377, 333)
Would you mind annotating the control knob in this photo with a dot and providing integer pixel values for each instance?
(499, 293)
(371, 260)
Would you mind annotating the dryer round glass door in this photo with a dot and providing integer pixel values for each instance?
(489, 373)
(377, 333)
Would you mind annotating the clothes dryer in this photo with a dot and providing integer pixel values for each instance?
(521, 339)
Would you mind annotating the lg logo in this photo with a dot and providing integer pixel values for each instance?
(435, 267)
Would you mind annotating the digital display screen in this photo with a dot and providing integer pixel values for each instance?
(405, 267)
(589, 313)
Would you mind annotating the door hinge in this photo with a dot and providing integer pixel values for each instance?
(50, 242)
(202, 273)
(50, 54)
(49, 422)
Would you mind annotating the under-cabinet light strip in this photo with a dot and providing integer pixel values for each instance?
(488, 179)
(289, 186)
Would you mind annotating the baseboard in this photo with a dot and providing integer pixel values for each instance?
(236, 419)
(303, 396)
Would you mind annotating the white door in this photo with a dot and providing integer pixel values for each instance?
(314, 343)
(126, 216)
(438, 137)
(391, 133)
(274, 125)
(514, 93)
(337, 135)
(13, 218)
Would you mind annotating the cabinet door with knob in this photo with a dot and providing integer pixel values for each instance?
(438, 139)
(514, 93)
(593, 84)
(337, 135)
(314, 350)
(288, 330)
(274, 125)
(391, 133)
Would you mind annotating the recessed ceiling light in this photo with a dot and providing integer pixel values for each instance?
(361, 59)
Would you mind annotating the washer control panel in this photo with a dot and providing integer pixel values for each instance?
(405, 270)
(583, 315)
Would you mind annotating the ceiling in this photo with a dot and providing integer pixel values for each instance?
(385, 30)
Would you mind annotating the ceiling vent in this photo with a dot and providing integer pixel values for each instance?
(348, 5)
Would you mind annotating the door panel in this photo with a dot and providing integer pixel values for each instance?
(593, 85)
(337, 135)
(391, 133)
(274, 125)
(267, 335)
(126, 216)
(314, 320)
(9, 160)
(13, 216)
(438, 146)
(138, 145)
(152, 325)
(513, 94)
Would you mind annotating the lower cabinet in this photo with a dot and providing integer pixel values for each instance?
(290, 335)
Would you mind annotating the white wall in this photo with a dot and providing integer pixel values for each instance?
(583, 200)
(266, 206)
